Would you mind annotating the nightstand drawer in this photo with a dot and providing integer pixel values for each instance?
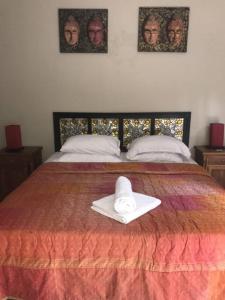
(216, 160)
(16, 166)
(213, 161)
(7, 161)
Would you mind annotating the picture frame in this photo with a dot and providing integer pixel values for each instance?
(83, 30)
(163, 29)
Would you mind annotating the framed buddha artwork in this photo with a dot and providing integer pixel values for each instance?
(163, 29)
(83, 30)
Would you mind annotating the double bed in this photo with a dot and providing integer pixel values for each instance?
(53, 246)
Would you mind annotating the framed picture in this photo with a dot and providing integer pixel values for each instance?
(163, 29)
(83, 30)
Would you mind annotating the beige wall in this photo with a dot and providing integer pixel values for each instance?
(36, 79)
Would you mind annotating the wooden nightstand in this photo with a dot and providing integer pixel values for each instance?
(213, 161)
(15, 167)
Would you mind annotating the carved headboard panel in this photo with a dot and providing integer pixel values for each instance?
(126, 126)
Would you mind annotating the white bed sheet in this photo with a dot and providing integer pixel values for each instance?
(58, 155)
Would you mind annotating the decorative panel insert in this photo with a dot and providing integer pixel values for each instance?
(134, 128)
(72, 126)
(171, 127)
(105, 126)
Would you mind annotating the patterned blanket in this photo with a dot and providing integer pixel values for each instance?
(53, 246)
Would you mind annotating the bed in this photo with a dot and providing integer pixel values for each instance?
(53, 246)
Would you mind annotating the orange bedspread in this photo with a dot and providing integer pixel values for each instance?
(53, 246)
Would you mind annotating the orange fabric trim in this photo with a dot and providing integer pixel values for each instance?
(108, 263)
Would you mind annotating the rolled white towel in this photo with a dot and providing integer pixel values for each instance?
(124, 201)
(105, 206)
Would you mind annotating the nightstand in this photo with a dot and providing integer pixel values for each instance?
(15, 167)
(213, 160)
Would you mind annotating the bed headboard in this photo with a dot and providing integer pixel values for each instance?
(126, 126)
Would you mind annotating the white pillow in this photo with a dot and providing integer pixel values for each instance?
(157, 143)
(87, 143)
(76, 157)
(160, 157)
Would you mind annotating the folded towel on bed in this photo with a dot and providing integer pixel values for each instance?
(124, 199)
(105, 206)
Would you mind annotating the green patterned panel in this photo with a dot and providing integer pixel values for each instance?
(72, 126)
(134, 128)
(105, 126)
(172, 127)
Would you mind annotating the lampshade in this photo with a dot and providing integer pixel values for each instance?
(13, 137)
(216, 135)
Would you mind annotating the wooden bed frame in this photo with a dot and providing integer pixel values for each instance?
(126, 126)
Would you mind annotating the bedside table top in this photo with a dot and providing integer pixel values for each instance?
(208, 150)
(26, 150)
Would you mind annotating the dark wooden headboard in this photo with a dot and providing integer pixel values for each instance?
(126, 126)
